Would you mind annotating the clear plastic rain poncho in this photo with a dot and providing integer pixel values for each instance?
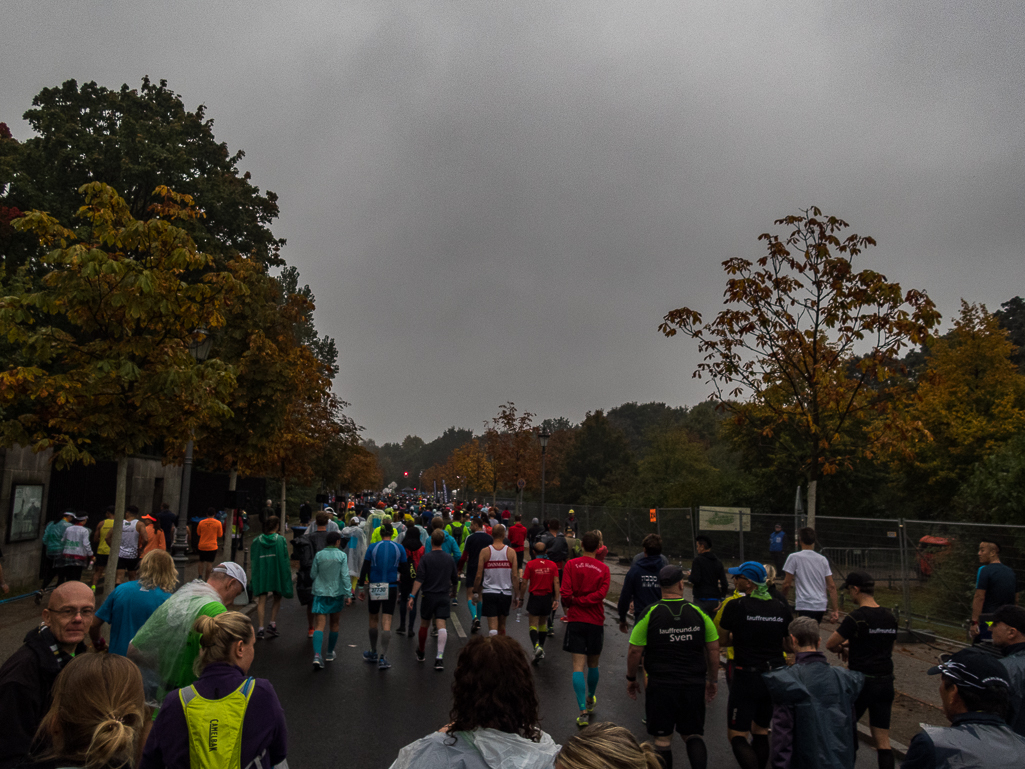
(356, 550)
(479, 749)
(161, 647)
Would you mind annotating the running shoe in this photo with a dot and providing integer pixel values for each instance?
(401, 630)
(591, 702)
(370, 656)
(583, 720)
(260, 635)
(329, 657)
(310, 633)
(455, 601)
(539, 654)
(272, 631)
(434, 632)
(475, 627)
(439, 664)
(383, 664)
(317, 661)
(563, 619)
(420, 656)
(411, 632)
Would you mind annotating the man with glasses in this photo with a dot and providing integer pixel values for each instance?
(27, 677)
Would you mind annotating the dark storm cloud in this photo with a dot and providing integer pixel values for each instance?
(498, 202)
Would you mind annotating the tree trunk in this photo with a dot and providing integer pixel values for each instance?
(812, 484)
(120, 499)
(284, 526)
(233, 512)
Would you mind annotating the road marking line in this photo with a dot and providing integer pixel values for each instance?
(458, 626)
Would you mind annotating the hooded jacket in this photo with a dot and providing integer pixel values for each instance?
(479, 749)
(813, 722)
(641, 586)
(271, 571)
(26, 681)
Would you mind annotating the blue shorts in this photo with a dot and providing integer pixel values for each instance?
(325, 604)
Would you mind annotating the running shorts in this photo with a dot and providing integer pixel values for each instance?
(749, 701)
(387, 605)
(327, 604)
(670, 706)
(584, 638)
(495, 605)
(207, 556)
(815, 615)
(540, 605)
(877, 698)
(101, 561)
(127, 564)
(435, 605)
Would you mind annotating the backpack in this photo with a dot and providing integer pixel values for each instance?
(458, 532)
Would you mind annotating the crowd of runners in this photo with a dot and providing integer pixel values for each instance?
(183, 657)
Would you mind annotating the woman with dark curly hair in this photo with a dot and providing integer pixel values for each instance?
(494, 715)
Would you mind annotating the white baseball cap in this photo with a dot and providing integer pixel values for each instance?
(233, 570)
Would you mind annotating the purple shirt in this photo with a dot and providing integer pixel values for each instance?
(264, 733)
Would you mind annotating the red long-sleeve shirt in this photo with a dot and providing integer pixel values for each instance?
(585, 583)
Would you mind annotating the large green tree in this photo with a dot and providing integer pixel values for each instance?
(103, 333)
(135, 140)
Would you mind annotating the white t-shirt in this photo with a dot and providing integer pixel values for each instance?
(810, 570)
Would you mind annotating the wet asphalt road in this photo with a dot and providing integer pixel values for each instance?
(352, 715)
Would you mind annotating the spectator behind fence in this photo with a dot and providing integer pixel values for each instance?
(974, 691)
(1009, 638)
(606, 746)
(243, 711)
(132, 603)
(811, 577)
(494, 716)
(27, 678)
(813, 721)
(98, 716)
(777, 542)
(995, 586)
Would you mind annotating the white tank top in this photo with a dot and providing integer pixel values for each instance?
(497, 571)
(129, 540)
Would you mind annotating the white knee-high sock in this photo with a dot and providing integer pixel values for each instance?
(442, 640)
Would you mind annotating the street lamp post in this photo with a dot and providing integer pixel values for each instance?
(199, 349)
(542, 438)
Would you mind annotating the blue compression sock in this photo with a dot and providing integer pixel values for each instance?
(592, 681)
(579, 690)
(318, 642)
(470, 606)
(332, 639)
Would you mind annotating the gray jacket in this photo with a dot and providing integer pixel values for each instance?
(1015, 664)
(813, 722)
(972, 741)
(480, 749)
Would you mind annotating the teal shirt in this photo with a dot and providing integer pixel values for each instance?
(330, 573)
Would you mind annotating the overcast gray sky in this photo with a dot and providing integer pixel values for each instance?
(499, 201)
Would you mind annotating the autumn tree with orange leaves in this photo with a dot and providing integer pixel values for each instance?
(807, 345)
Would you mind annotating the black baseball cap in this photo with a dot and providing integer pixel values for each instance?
(670, 575)
(858, 579)
(1012, 616)
(972, 669)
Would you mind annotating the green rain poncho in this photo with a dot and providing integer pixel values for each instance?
(271, 572)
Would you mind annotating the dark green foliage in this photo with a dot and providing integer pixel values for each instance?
(599, 466)
(1012, 318)
(134, 140)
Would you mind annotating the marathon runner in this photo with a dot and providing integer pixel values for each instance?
(558, 553)
(865, 641)
(475, 543)
(680, 647)
(755, 626)
(585, 583)
(381, 568)
(497, 581)
(438, 578)
(541, 578)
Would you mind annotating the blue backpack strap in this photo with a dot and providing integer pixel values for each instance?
(248, 685)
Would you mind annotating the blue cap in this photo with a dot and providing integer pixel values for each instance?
(751, 570)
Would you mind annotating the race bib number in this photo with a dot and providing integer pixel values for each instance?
(378, 591)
